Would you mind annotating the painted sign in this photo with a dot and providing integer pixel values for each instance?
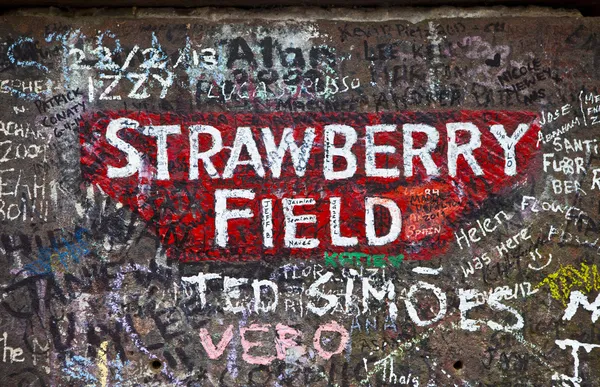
(235, 186)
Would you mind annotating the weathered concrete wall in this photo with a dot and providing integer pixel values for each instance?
(392, 198)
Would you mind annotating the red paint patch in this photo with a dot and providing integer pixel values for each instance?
(183, 210)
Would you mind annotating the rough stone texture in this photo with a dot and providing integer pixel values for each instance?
(115, 279)
(580, 4)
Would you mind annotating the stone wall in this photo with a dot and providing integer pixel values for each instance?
(299, 197)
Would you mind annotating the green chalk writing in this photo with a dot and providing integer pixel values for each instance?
(357, 259)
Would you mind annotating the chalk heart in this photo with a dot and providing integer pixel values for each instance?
(495, 62)
(238, 186)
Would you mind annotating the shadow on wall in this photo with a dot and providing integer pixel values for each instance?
(586, 7)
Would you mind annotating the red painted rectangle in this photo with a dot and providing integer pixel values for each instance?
(183, 209)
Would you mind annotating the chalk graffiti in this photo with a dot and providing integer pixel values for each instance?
(282, 199)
